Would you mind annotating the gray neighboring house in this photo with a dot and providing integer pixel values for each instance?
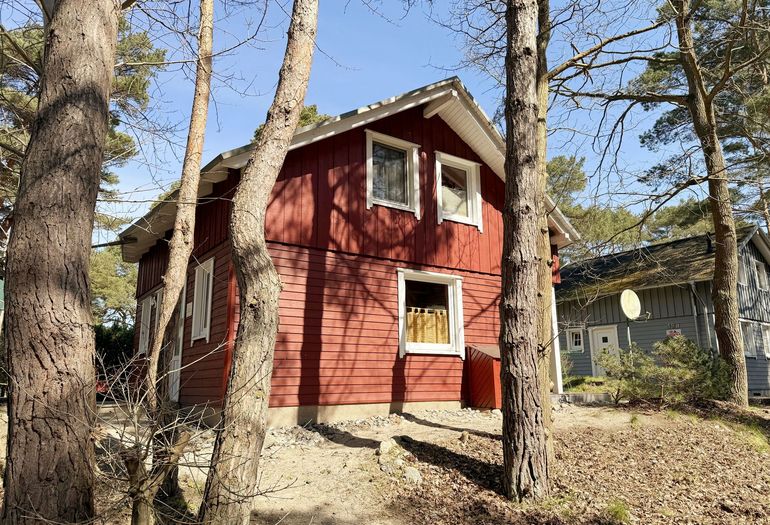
(673, 280)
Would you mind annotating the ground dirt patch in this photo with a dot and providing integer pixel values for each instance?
(612, 466)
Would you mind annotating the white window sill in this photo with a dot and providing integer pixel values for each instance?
(394, 205)
(461, 220)
(432, 349)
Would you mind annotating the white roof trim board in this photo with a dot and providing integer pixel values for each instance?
(448, 98)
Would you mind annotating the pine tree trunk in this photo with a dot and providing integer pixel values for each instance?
(525, 454)
(182, 240)
(545, 272)
(725, 290)
(49, 473)
(233, 476)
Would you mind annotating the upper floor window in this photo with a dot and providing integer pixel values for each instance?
(741, 271)
(201, 314)
(459, 190)
(392, 173)
(761, 272)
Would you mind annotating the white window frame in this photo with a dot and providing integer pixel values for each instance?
(761, 273)
(201, 327)
(742, 277)
(456, 344)
(765, 327)
(412, 172)
(571, 349)
(144, 323)
(473, 169)
(748, 352)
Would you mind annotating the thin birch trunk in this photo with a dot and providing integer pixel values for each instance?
(233, 476)
(49, 475)
(525, 451)
(725, 289)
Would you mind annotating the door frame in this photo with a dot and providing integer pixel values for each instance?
(591, 333)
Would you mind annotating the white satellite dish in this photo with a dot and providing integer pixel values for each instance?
(630, 304)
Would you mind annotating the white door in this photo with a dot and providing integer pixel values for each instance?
(603, 338)
(175, 363)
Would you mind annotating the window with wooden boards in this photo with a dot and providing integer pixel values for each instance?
(201, 314)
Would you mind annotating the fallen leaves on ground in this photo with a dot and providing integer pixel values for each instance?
(660, 468)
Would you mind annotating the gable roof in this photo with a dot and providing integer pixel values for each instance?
(676, 262)
(448, 98)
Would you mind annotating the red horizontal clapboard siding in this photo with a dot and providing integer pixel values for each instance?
(338, 340)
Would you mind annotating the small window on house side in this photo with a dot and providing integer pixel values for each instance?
(575, 341)
(766, 339)
(761, 271)
(144, 326)
(201, 318)
(392, 173)
(749, 344)
(459, 190)
(741, 271)
(430, 313)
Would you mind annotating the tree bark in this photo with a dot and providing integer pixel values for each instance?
(232, 479)
(182, 240)
(725, 290)
(49, 474)
(545, 324)
(525, 455)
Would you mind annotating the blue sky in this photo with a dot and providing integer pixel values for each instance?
(362, 57)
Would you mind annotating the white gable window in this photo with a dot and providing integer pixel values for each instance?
(201, 315)
(459, 190)
(741, 271)
(392, 173)
(430, 313)
(749, 343)
(761, 271)
(575, 340)
(144, 324)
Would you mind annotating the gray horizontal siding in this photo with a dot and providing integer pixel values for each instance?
(671, 307)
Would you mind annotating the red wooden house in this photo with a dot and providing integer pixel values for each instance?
(385, 227)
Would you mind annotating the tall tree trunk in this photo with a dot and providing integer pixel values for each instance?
(180, 249)
(725, 290)
(525, 455)
(545, 273)
(232, 478)
(181, 243)
(50, 459)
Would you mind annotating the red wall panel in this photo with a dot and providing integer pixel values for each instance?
(338, 340)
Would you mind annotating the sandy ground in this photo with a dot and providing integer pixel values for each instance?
(612, 466)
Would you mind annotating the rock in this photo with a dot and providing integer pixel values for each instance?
(465, 436)
(386, 446)
(412, 475)
(398, 462)
(387, 469)
(496, 412)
